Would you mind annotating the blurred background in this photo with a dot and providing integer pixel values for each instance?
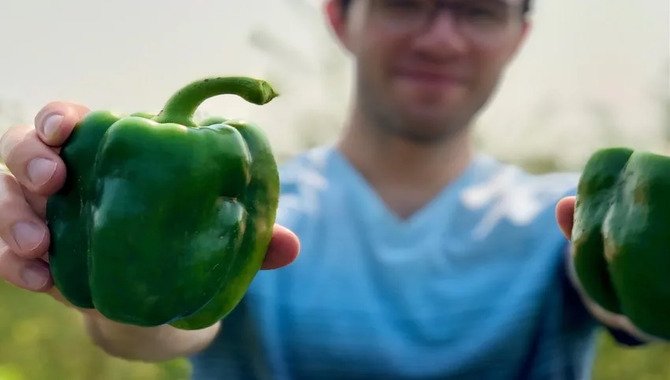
(593, 73)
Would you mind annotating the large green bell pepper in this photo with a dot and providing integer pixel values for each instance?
(162, 220)
(621, 236)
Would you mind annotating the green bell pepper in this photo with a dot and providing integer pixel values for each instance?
(621, 236)
(162, 220)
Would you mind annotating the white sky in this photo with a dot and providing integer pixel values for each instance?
(610, 56)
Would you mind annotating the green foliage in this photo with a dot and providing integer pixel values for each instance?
(614, 361)
(42, 339)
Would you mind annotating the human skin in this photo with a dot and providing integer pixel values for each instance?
(36, 171)
(408, 134)
(415, 95)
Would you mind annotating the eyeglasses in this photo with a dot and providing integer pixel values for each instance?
(480, 20)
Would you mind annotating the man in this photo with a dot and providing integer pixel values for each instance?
(420, 257)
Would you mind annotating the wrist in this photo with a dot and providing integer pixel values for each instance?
(149, 344)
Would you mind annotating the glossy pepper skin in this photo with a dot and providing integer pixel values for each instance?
(161, 220)
(621, 236)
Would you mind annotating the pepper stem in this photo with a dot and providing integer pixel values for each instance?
(182, 105)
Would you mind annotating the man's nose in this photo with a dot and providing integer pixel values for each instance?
(442, 33)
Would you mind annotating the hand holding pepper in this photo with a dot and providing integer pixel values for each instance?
(618, 226)
(36, 171)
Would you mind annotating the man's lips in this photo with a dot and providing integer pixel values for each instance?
(434, 77)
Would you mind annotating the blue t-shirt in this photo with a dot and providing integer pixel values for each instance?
(472, 286)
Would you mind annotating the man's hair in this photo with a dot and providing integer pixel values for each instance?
(525, 6)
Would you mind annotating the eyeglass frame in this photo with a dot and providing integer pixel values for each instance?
(427, 12)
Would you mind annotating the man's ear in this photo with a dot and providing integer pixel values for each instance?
(337, 19)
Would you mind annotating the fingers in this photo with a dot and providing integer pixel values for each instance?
(284, 248)
(20, 228)
(55, 121)
(29, 274)
(36, 171)
(565, 209)
(35, 165)
(32, 154)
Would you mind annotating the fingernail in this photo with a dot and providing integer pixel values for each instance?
(35, 276)
(28, 235)
(40, 170)
(51, 124)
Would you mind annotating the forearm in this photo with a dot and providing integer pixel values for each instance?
(146, 343)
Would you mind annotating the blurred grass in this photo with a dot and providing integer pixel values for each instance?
(41, 339)
(615, 362)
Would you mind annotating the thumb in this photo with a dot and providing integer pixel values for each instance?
(565, 209)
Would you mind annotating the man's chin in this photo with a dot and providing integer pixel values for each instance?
(424, 129)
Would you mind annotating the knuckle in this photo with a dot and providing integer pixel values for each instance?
(7, 186)
(14, 139)
(5, 205)
(11, 202)
(6, 257)
(8, 141)
(4, 248)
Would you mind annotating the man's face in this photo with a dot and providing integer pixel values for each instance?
(425, 68)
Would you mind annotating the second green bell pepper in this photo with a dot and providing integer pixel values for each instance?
(621, 236)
